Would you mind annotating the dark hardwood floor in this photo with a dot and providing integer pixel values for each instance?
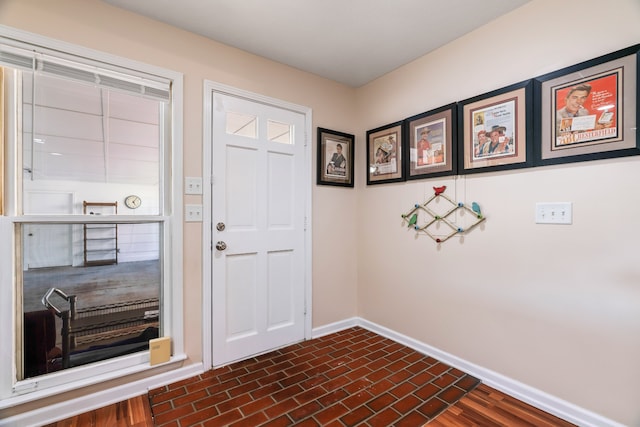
(487, 407)
(135, 412)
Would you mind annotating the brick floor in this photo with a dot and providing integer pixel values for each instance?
(350, 378)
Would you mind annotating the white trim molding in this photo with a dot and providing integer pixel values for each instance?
(534, 397)
(335, 327)
(80, 405)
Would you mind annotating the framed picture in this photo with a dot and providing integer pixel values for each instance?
(335, 158)
(384, 154)
(495, 130)
(588, 111)
(430, 143)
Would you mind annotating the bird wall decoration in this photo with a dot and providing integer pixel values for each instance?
(444, 216)
(439, 190)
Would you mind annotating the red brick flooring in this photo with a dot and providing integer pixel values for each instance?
(351, 378)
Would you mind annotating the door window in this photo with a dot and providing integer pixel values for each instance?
(279, 132)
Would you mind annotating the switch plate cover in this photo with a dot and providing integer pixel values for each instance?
(554, 213)
(193, 213)
(192, 185)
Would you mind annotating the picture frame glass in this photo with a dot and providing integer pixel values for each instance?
(430, 149)
(587, 111)
(335, 158)
(494, 130)
(431, 144)
(384, 154)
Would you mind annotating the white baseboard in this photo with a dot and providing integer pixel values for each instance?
(335, 327)
(534, 397)
(70, 408)
(523, 392)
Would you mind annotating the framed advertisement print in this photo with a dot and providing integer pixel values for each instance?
(430, 143)
(495, 130)
(335, 158)
(588, 111)
(384, 154)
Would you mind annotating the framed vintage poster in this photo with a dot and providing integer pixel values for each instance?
(495, 130)
(335, 158)
(588, 111)
(384, 154)
(430, 143)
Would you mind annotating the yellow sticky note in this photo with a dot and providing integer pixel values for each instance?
(159, 350)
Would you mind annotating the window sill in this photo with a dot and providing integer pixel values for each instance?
(60, 382)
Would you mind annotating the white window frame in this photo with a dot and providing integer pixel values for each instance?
(13, 392)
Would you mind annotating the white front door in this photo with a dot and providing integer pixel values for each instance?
(258, 216)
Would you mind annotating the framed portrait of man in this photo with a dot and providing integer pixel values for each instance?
(335, 158)
(430, 144)
(588, 111)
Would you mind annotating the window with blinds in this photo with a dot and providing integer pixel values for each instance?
(86, 136)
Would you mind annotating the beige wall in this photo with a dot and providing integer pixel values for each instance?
(96, 25)
(555, 307)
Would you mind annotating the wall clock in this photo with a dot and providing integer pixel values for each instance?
(132, 202)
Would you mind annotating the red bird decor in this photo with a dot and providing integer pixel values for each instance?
(439, 190)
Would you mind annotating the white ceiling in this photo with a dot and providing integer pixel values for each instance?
(349, 41)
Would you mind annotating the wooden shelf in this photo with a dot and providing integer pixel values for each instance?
(100, 240)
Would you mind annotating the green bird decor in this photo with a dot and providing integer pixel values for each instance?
(413, 220)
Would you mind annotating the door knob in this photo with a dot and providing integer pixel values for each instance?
(221, 246)
(220, 226)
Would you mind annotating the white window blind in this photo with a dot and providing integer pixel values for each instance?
(48, 63)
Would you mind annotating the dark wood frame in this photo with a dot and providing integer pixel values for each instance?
(440, 126)
(581, 142)
(509, 108)
(328, 140)
(378, 140)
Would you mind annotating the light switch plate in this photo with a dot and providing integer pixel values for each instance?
(554, 213)
(193, 185)
(193, 213)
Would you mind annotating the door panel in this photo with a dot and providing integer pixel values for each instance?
(281, 295)
(259, 171)
(241, 211)
(241, 290)
(281, 190)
